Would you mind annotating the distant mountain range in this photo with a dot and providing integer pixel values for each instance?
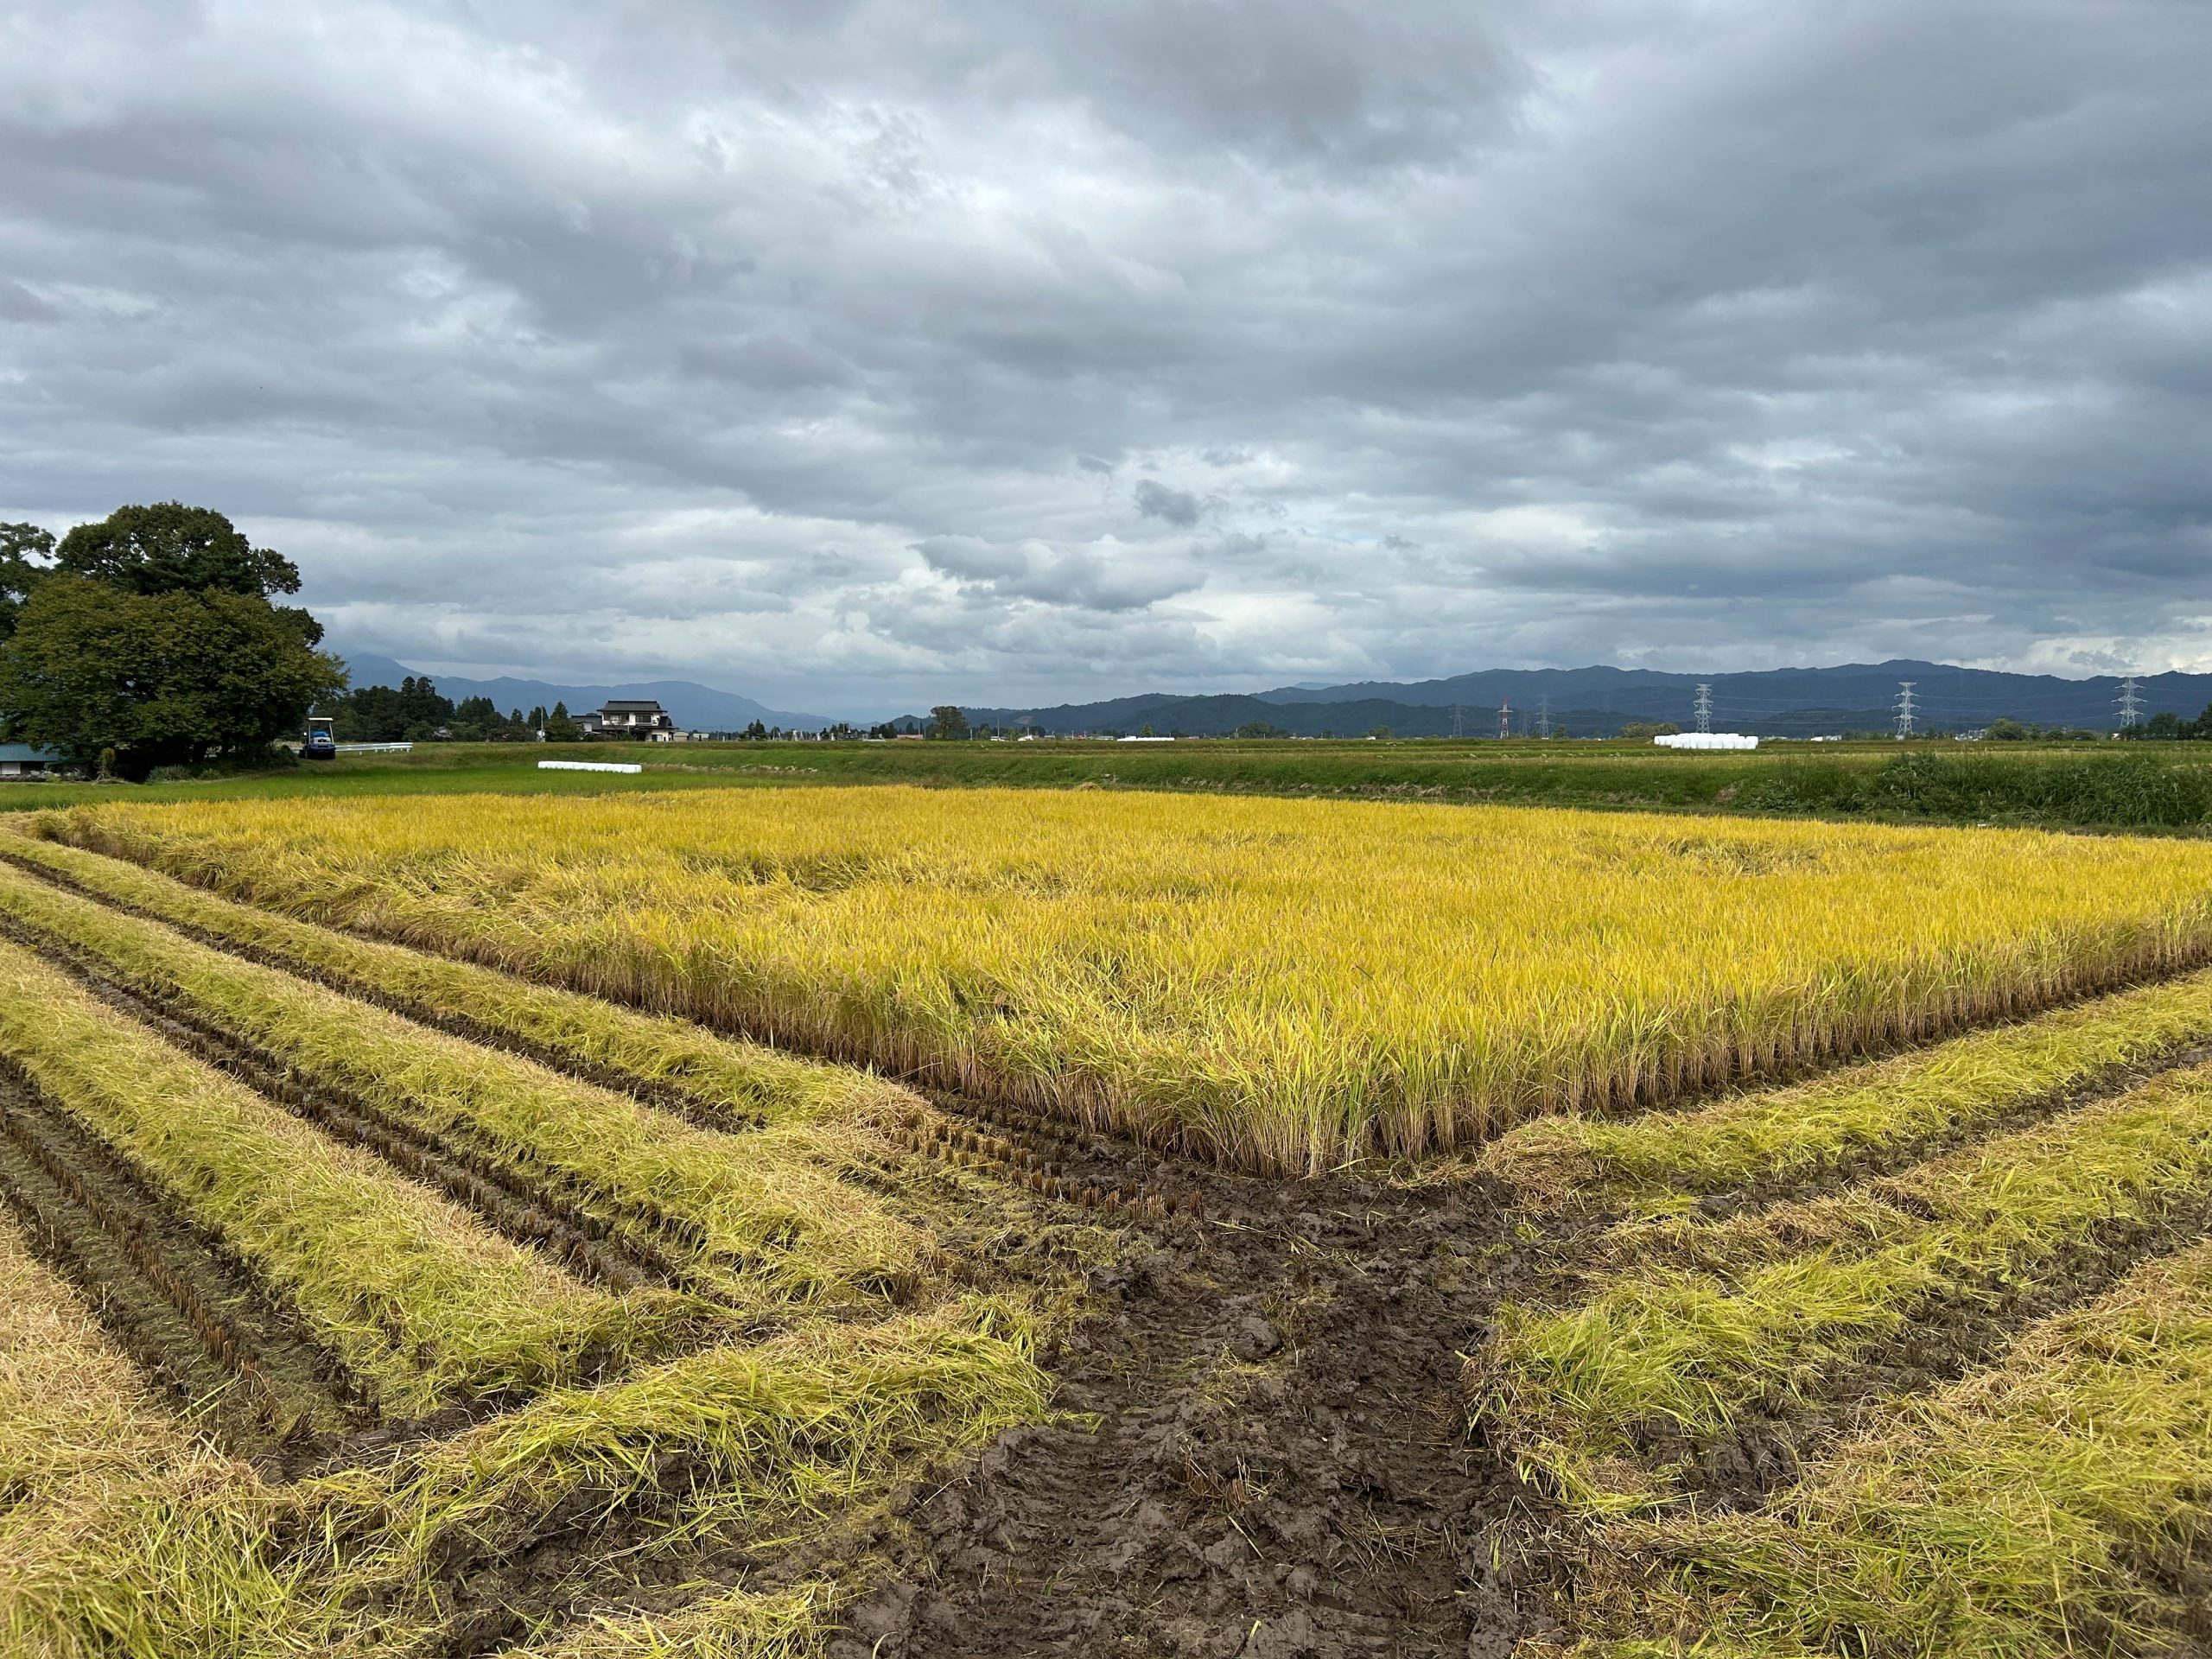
(1597, 702)
(693, 706)
(1582, 702)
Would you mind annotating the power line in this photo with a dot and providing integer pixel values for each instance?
(1705, 705)
(2130, 704)
(1904, 708)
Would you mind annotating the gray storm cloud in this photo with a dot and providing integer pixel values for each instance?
(862, 355)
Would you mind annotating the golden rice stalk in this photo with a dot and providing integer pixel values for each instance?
(1279, 984)
(405, 1287)
(714, 1075)
(1779, 1300)
(1661, 1161)
(2051, 1505)
(759, 1207)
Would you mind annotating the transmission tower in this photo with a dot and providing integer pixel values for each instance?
(1904, 708)
(1543, 717)
(1704, 706)
(1458, 720)
(2131, 705)
(1505, 717)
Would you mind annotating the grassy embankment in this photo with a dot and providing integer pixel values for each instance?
(2139, 786)
(764, 1212)
(1217, 974)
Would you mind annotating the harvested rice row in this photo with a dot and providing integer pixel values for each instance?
(718, 1082)
(789, 1623)
(753, 1211)
(748, 1445)
(195, 1325)
(1663, 1162)
(2054, 1505)
(74, 1414)
(420, 1303)
(1674, 1354)
(1278, 984)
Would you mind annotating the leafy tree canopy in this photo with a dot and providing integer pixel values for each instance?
(150, 633)
(162, 679)
(169, 548)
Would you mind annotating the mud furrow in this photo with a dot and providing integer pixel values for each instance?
(1261, 1452)
(507, 1200)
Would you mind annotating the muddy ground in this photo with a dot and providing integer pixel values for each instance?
(1262, 1449)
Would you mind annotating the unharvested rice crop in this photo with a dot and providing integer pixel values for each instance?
(1284, 985)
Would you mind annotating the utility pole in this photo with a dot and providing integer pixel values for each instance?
(1505, 717)
(1543, 717)
(1704, 706)
(2130, 706)
(1904, 708)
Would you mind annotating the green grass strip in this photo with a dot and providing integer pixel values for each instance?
(1663, 1161)
(2055, 1504)
(1688, 1349)
(405, 1287)
(759, 1209)
(717, 1076)
(754, 1444)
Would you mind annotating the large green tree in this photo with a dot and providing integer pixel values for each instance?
(151, 634)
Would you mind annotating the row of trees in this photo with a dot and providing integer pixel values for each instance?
(152, 639)
(2170, 728)
(415, 711)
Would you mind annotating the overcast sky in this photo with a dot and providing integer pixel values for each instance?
(862, 356)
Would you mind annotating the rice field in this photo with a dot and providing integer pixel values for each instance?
(1283, 986)
(326, 1329)
(810, 1223)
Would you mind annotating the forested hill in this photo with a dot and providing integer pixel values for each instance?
(1593, 702)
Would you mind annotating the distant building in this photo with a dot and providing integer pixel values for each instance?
(622, 718)
(22, 760)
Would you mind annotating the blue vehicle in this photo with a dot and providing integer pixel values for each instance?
(321, 745)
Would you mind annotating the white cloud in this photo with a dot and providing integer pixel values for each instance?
(864, 354)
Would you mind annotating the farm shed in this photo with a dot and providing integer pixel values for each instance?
(22, 760)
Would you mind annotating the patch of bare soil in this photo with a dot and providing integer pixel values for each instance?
(1261, 1449)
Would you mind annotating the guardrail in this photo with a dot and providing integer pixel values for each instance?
(374, 748)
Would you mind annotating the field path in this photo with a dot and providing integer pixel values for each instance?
(1280, 1464)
